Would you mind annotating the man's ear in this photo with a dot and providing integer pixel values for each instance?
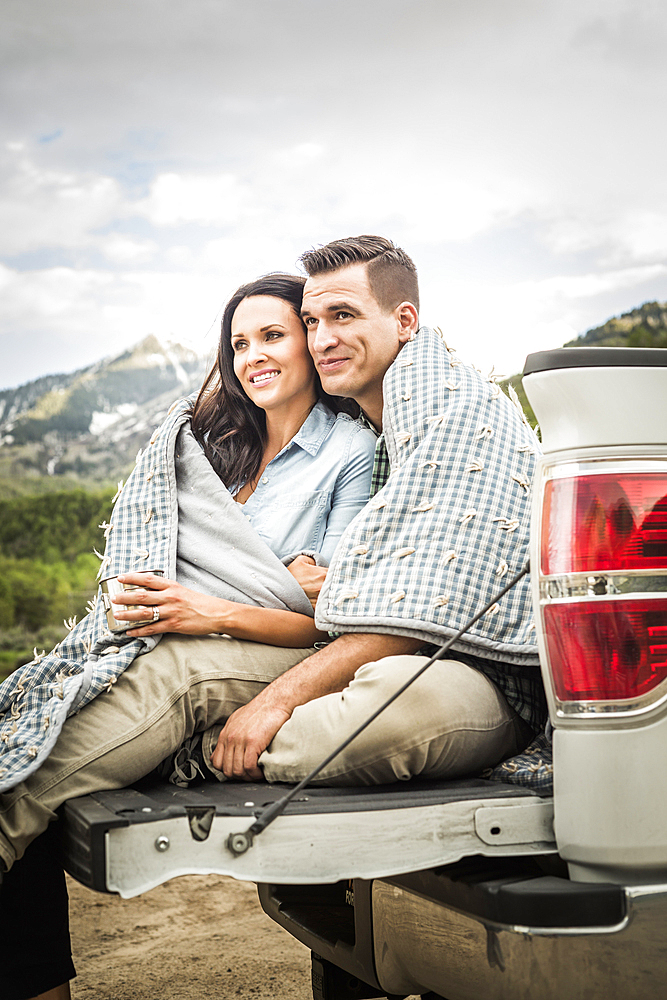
(408, 321)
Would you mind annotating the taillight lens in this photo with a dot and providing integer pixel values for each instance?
(603, 583)
(604, 522)
(606, 650)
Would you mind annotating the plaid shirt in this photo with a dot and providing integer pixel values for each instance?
(381, 466)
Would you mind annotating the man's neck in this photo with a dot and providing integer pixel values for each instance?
(372, 410)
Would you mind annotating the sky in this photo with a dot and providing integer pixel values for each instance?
(154, 154)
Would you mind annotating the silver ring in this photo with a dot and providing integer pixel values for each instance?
(156, 613)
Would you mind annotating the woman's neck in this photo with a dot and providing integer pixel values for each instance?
(281, 427)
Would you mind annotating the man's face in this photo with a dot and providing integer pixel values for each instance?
(353, 341)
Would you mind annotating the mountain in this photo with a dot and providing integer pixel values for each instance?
(645, 326)
(84, 428)
(642, 327)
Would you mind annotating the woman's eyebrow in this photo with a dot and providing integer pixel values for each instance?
(262, 329)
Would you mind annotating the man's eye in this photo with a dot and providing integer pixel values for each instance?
(343, 315)
(309, 320)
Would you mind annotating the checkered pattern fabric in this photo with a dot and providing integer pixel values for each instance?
(36, 699)
(534, 768)
(381, 468)
(451, 525)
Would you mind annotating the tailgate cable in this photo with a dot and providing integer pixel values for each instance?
(238, 843)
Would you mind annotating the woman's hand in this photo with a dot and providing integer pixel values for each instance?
(180, 609)
(309, 576)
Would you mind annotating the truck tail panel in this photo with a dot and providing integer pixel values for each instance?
(599, 577)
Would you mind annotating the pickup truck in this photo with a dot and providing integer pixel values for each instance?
(477, 889)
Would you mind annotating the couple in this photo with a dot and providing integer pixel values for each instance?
(450, 522)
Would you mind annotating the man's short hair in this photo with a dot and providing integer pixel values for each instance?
(392, 275)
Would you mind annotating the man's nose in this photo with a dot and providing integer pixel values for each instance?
(321, 338)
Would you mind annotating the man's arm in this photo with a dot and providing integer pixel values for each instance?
(251, 728)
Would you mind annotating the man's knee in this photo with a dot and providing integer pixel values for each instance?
(449, 692)
(450, 720)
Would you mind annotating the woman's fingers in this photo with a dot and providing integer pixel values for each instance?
(139, 614)
(149, 580)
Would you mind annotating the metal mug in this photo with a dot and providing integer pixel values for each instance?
(110, 587)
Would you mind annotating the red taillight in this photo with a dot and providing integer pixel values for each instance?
(606, 650)
(604, 523)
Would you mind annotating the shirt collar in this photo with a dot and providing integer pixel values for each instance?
(315, 428)
(365, 422)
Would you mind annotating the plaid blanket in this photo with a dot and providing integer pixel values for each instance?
(142, 534)
(451, 525)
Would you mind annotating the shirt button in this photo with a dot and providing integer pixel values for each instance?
(264, 479)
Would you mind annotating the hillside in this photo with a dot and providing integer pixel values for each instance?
(645, 326)
(85, 428)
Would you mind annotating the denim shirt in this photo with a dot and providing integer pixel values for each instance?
(311, 490)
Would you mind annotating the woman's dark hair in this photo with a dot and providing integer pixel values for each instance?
(228, 425)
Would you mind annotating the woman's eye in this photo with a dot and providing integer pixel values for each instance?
(274, 335)
(238, 345)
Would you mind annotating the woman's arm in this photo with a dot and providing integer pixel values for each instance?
(352, 488)
(191, 613)
(309, 576)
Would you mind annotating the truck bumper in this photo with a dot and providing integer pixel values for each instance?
(497, 929)
(423, 944)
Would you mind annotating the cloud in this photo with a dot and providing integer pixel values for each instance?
(513, 319)
(210, 200)
(122, 249)
(72, 317)
(157, 151)
(48, 208)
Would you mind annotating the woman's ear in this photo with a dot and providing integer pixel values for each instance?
(408, 321)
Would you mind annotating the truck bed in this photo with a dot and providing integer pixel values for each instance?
(129, 840)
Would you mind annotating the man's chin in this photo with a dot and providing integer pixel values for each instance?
(336, 386)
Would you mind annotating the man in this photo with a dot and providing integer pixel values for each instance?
(286, 709)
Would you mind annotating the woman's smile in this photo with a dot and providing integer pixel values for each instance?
(267, 375)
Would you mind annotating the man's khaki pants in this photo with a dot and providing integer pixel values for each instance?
(451, 722)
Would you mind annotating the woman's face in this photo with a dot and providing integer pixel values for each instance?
(271, 359)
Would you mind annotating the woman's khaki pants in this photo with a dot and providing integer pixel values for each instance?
(451, 722)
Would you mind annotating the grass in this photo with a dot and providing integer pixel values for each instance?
(17, 646)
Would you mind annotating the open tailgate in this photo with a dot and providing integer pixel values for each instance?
(129, 840)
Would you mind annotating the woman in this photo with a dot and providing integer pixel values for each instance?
(299, 467)
(299, 471)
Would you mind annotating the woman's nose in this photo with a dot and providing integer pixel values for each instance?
(256, 354)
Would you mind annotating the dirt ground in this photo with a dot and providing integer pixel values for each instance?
(195, 938)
